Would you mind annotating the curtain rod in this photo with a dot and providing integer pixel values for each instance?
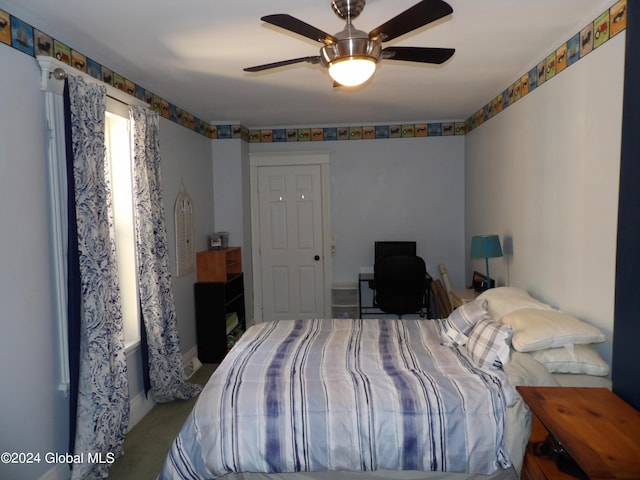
(60, 74)
(54, 72)
(121, 101)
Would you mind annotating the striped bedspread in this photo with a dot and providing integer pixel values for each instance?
(308, 395)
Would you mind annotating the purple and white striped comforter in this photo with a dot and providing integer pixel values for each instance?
(310, 395)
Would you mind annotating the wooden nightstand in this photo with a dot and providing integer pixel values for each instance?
(462, 295)
(596, 428)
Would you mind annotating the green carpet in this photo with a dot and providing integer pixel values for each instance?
(148, 443)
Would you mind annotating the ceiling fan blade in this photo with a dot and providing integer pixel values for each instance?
(418, 54)
(420, 14)
(283, 63)
(294, 25)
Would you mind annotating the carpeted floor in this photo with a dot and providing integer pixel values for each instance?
(148, 443)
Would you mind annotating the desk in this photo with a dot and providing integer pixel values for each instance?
(368, 309)
(365, 280)
(597, 429)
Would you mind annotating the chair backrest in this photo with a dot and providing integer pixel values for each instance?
(400, 284)
(444, 305)
(445, 280)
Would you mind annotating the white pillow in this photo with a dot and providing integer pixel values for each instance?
(523, 369)
(456, 327)
(580, 359)
(488, 344)
(504, 300)
(535, 329)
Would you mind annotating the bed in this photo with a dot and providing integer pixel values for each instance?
(358, 399)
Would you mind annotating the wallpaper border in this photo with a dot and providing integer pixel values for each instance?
(31, 41)
(593, 35)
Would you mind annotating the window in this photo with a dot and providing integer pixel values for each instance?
(117, 140)
(58, 213)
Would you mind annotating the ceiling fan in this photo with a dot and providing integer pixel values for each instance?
(351, 55)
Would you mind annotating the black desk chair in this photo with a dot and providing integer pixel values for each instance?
(401, 284)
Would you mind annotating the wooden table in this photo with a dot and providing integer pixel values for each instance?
(598, 429)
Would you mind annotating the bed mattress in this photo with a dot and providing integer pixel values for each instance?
(365, 398)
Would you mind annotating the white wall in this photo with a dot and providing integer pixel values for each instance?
(233, 206)
(544, 175)
(393, 189)
(34, 413)
(186, 158)
(228, 188)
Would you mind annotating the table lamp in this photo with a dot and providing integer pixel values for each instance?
(486, 246)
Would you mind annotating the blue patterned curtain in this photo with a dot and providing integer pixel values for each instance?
(102, 389)
(166, 374)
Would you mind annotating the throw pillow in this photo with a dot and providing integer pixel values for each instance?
(489, 344)
(459, 323)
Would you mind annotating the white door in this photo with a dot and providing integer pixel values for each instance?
(291, 241)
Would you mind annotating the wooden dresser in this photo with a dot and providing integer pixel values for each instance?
(598, 430)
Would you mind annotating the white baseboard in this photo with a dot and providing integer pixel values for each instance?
(139, 406)
(190, 361)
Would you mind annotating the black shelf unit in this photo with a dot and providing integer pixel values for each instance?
(214, 300)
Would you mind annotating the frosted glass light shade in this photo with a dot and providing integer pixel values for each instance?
(352, 71)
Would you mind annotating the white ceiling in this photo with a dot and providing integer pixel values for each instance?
(192, 53)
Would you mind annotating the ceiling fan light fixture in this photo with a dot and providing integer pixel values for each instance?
(352, 71)
(351, 55)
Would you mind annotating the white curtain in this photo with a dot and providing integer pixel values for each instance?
(166, 374)
(102, 389)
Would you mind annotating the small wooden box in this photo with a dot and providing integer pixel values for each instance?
(219, 265)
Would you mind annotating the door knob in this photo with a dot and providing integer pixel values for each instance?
(316, 258)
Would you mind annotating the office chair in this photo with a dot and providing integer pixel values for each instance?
(401, 284)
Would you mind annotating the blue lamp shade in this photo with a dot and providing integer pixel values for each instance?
(485, 246)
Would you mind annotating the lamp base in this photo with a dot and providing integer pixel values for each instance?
(488, 286)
